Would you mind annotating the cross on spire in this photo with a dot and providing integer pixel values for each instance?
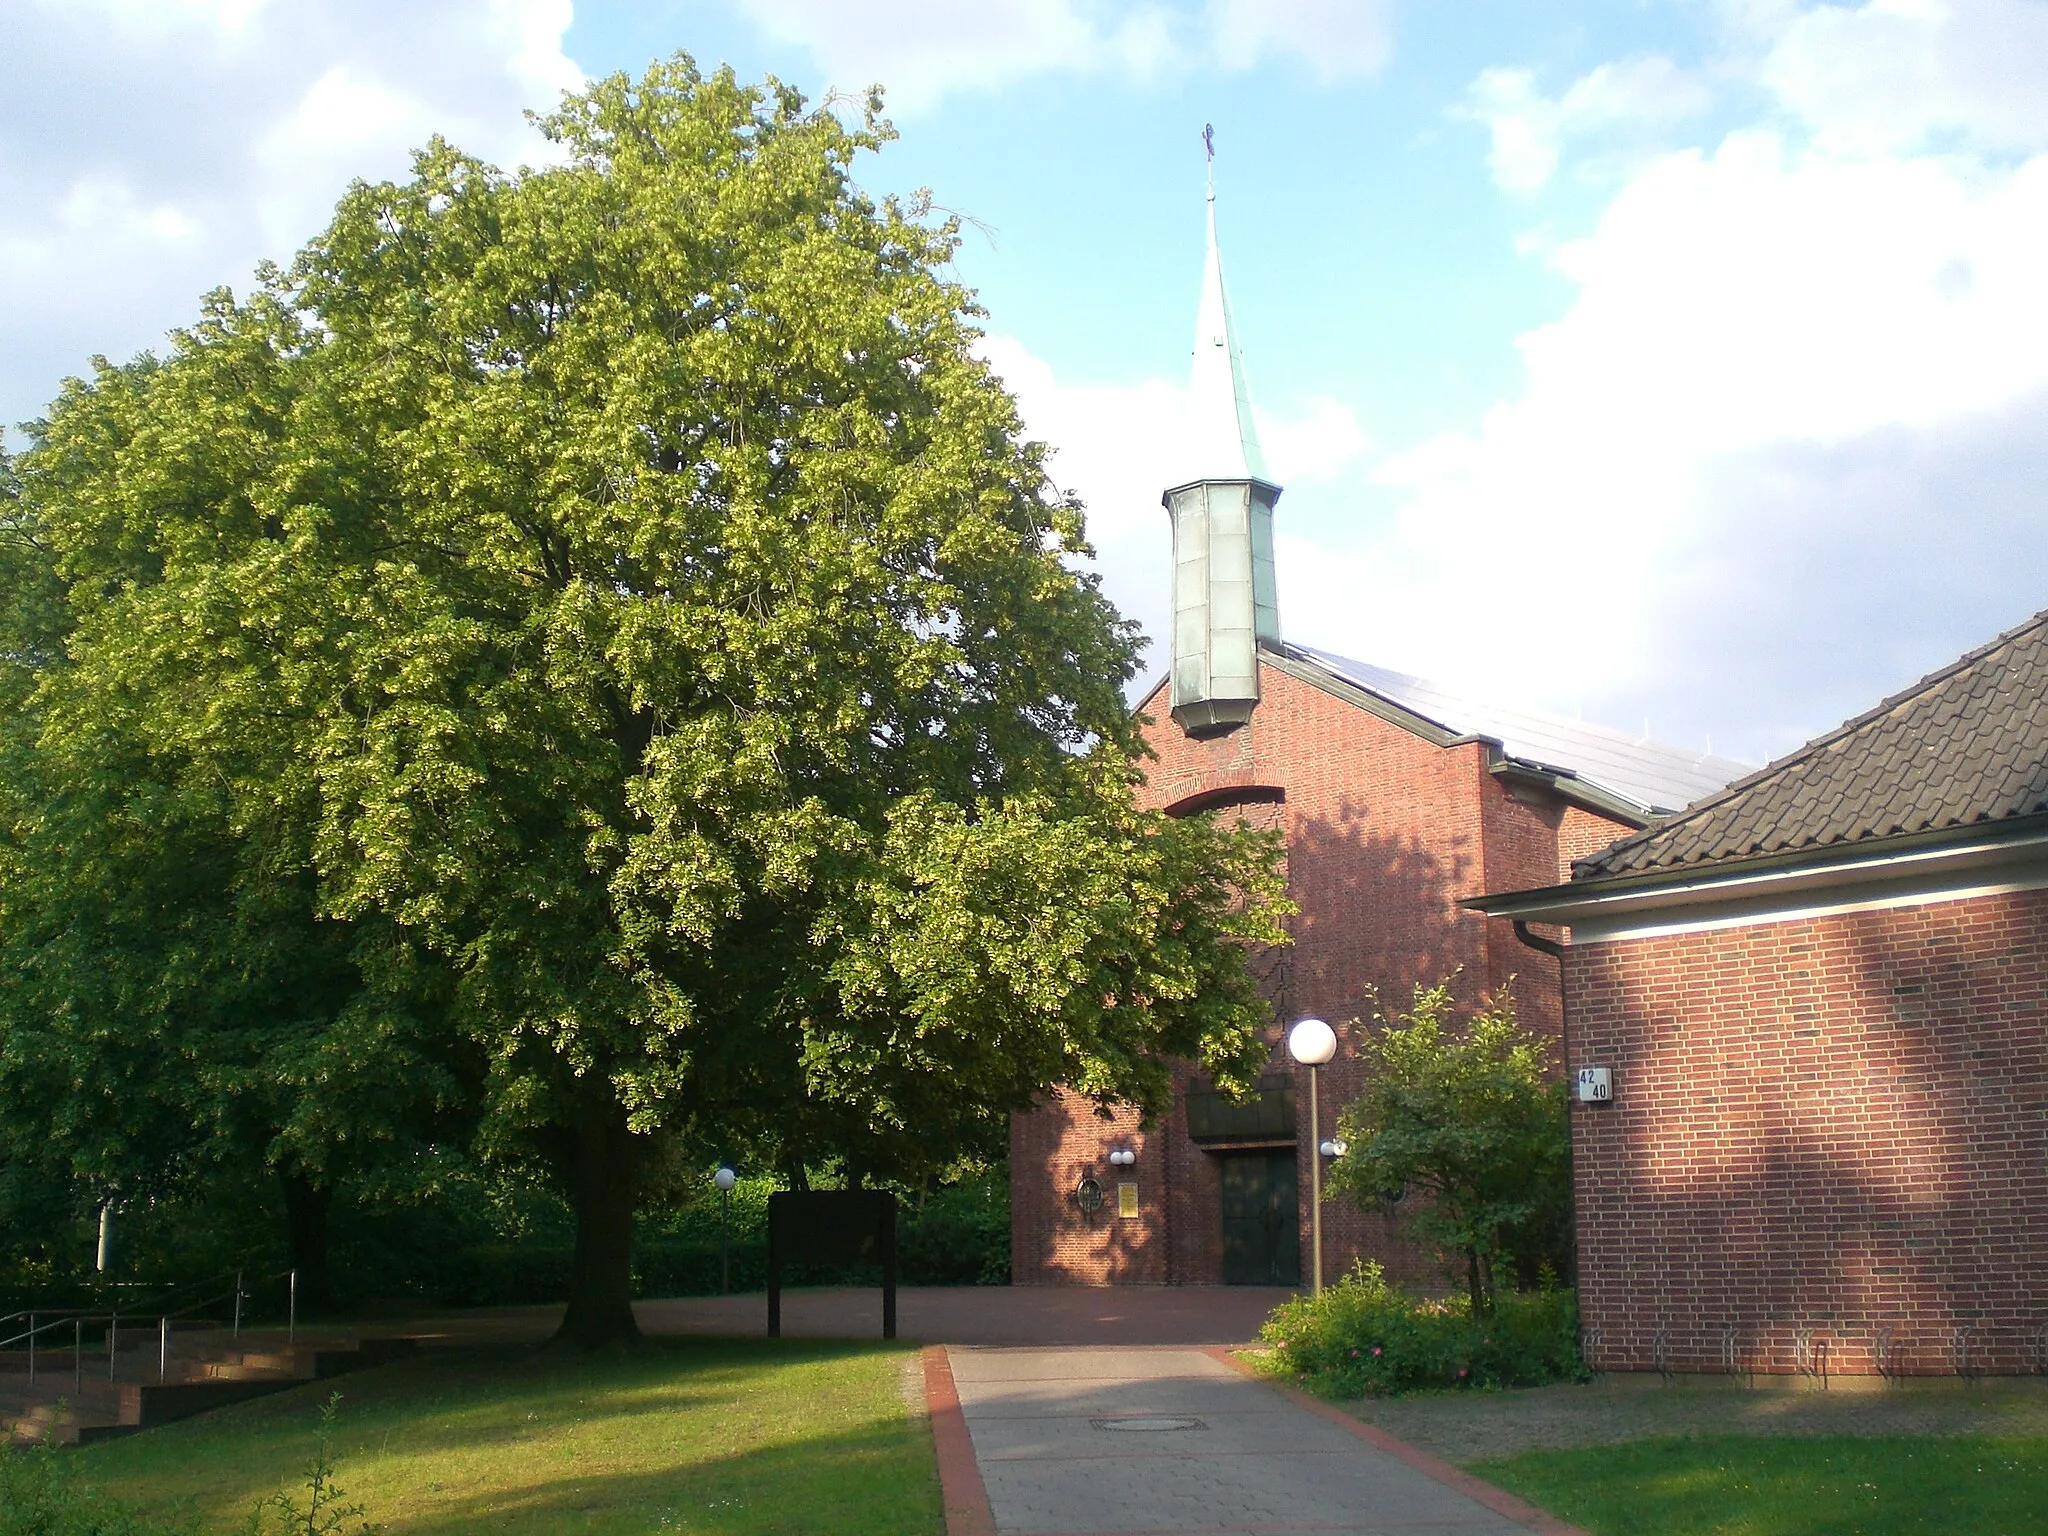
(1226, 443)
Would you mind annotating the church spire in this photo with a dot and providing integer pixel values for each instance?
(1226, 441)
(1224, 603)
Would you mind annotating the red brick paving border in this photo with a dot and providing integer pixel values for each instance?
(1499, 1500)
(960, 1486)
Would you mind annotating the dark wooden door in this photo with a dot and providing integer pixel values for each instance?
(1261, 1219)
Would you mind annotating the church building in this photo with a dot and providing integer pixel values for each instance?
(1397, 801)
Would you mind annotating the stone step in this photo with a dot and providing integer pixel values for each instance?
(60, 1407)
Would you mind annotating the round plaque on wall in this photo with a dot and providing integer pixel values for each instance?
(1088, 1196)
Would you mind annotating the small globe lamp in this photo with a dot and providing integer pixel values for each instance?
(1313, 1043)
(725, 1178)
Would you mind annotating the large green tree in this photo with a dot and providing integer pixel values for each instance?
(627, 583)
(175, 1011)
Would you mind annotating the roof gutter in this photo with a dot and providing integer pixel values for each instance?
(1567, 785)
(1955, 861)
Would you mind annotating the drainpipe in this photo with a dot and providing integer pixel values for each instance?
(1556, 951)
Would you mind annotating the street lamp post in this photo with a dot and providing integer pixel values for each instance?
(1313, 1043)
(725, 1178)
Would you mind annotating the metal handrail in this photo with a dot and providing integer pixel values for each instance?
(151, 1303)
(58, 1317)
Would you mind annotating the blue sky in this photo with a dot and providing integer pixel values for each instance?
(1677, 364)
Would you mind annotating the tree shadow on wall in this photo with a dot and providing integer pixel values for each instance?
(1837, 1157)
(1378, 917)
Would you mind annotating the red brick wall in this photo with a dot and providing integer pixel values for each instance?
(1828, 1132)
(1052, 1241)
(1385, 833)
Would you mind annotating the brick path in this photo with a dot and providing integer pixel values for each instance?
(1172, 1442)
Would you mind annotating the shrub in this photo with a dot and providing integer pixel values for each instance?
(41, 1495)
(1365, 1338)
(960, 1235)
(1471, 1119)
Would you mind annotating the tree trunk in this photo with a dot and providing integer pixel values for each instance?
(306, 1205)
(1486, 1290)
(600, 1158)
(1472, 1286)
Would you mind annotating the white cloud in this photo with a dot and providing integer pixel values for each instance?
(1777, 456)
(1115, 445)
(155, 17)
(922, 50)
(219, 132)
(1316, 447)
(1529, 130)
(1902, 74)
(1339, 39)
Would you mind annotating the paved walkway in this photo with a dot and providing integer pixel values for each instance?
(1115, 1442)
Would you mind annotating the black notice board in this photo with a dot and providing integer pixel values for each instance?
(832, 1226)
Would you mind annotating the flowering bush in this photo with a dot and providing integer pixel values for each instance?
(1365, 1338)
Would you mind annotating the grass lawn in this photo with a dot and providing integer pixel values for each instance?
(1789, 1486)
(734, 1437)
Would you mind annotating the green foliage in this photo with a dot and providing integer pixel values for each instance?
(1468, 1124)
(476, 1236)
(1795, 1485)
(42, 1494)
(1365, 1338)
(959, 1235)
(586, 657)
(326, 1510)
(956, 1235)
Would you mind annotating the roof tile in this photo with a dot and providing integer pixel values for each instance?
(1964, 745)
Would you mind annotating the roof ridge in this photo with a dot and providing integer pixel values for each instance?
(1886, 706)
(1651, 777)
(1621, 735)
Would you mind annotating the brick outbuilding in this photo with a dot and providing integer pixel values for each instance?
(1820, 999)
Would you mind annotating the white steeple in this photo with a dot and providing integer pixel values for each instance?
(1224, 600)
(1225, 441)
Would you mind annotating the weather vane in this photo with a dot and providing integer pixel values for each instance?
(1209, 139)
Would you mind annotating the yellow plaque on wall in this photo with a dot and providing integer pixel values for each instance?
(1127, 1199)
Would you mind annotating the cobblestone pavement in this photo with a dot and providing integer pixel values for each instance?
(1114, 1442)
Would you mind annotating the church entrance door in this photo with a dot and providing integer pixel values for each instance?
(1261, 1219)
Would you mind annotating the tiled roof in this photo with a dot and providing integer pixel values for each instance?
(1965, 746)
(1651, 775)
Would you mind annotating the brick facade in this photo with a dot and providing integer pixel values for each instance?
(1386, 831)
(1828, 1145)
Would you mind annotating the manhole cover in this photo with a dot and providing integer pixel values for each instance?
(1152, 1423)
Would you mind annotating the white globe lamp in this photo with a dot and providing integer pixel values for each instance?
(1314, 1044)
(725, 1178)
